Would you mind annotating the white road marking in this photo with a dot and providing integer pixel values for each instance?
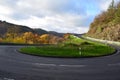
(72, 65)
(8, 79)
(116, 64)
(42, 64)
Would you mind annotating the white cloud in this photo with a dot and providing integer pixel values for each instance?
(105, 4)
(52, 15)
(60, 23)
(41, 7)
(5, 10)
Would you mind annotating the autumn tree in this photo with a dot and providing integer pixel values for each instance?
(19, 40)
(53, 39)
(28, 37)
(44, 38)
(1, 40)
(66, 36)
(117, 14)
(36, 38)
(50, 39)
(11, 34)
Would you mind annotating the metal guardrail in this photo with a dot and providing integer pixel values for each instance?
(103, 41)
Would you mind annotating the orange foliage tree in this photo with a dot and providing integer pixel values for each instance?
(28, 37)
(1, 40)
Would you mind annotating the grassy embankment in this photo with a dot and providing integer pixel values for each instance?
(74, 47)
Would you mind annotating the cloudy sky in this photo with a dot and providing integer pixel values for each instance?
(72, 16)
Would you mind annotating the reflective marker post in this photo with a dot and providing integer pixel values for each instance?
(80, 50)
(106, 44)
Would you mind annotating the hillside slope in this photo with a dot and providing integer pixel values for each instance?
(5, 26)
(106, 26)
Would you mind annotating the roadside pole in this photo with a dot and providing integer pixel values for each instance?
(80, 51)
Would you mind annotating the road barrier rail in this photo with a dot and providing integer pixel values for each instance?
(103, 41)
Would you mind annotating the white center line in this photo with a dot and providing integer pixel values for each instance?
(42, 64)
(72, 65)
(61, 65)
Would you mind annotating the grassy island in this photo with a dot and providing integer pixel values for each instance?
(74, 47)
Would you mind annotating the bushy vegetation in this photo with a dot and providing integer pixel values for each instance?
(12, 33)
(71, 39)
(13, 36)
(107, 24)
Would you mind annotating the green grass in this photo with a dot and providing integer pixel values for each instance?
(71, 49)
(96, 51)
(51, 51)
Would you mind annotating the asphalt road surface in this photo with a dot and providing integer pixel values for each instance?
(17, 66)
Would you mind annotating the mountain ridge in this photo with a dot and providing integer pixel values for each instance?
(5, 26)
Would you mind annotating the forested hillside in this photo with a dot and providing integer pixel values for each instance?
(6, 27)
(12, 33)
(106, 26)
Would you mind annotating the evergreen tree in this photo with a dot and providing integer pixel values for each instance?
(117, 14)
(111, 12)
(112, 5)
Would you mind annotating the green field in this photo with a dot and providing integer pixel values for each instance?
(75, 47)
